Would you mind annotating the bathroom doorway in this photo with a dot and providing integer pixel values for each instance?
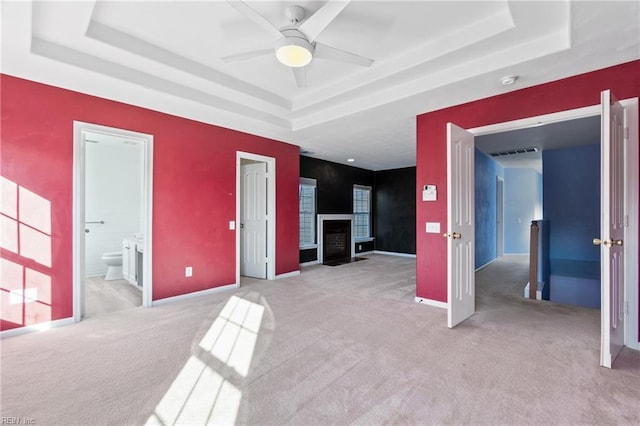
(111, 219)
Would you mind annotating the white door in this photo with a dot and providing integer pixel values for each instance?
(461, 226)
(612, 229)
(253, 222)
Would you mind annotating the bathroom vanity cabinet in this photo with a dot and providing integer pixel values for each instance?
(129, 261)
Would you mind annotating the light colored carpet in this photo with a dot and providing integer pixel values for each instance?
(335, 345)
(110, 296)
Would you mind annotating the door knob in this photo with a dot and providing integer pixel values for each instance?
(455, 235)
(606, 243)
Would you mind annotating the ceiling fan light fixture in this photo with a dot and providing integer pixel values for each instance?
(294, 52)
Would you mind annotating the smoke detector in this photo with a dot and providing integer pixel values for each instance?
(508, 80)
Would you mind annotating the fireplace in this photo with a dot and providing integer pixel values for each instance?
(335, 238)
(336, 241)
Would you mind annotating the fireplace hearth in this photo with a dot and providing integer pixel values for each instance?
(336, 240)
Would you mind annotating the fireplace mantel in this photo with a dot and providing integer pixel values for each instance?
(321, 219)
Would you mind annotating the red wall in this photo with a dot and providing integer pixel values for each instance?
(570, 93)
(193, 195)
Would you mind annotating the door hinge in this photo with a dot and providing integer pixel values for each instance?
(626, 133)
(626, 307)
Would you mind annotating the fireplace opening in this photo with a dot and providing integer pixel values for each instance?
(336, 241)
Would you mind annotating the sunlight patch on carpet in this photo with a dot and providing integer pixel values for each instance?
(199, 394)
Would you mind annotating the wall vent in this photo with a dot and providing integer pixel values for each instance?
(514, 152)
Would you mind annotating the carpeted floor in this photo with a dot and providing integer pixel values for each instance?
(103, 297)
(333, 346)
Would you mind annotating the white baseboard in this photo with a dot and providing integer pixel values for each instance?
(430, 302)
(194, 294)
(486, 264)
(392, 253)
(36, 327)
(311, 263)
(516, 254)
(288, 274)
(365, 252)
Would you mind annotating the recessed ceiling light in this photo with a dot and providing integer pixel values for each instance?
(508, 80)
(351, 160)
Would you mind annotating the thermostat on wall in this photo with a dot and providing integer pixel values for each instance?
(429, 193)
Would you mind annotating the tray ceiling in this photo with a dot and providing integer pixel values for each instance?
(428, 55)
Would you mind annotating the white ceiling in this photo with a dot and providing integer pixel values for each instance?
(166, 55)
(544, 136)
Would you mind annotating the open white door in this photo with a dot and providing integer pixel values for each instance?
(612, 229)
(460, 219)
(253, 224)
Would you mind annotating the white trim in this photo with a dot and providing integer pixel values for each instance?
(431, 302)
(308, 247)
(365, 239)
(631, 203)
(195, 294)
(36, 327)
(516, 254)
(631, 269)
(308, 181)
(321, 218)
(271, 209)
(486, 264)
(79, 174)
(393, 253)
(524, 123)
(311, 263)
(288, 275)
(365, 252)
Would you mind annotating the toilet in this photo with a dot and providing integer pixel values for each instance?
(114, 262)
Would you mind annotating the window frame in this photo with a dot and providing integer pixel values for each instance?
(369, 190)
(310, 183)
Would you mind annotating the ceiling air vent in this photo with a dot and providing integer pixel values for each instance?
(514, 152)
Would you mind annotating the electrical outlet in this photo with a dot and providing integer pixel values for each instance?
(359, 246)
(188, 271)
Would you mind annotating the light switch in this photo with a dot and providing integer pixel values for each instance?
(232, 225)
(433, 227)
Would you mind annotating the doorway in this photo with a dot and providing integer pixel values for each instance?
(255, 216)
(630, 192)
(86, 134)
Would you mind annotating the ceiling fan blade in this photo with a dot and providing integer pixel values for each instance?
(317, 22)
(327, 52)
(247, 55)
(250, 13)
(300, 73)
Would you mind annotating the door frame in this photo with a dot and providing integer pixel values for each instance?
(79, 199)
(500, 215)
(631, 193)
(271, 210)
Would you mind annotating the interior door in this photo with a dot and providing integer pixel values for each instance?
(461, 226)
(253, 225)
(612, 229)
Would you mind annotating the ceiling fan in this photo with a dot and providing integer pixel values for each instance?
(295, 44)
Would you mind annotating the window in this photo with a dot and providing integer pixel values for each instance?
(307, 195)
(362, 211)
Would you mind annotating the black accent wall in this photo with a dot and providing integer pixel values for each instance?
(393, 202)
(395, 210)
(334, 193)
